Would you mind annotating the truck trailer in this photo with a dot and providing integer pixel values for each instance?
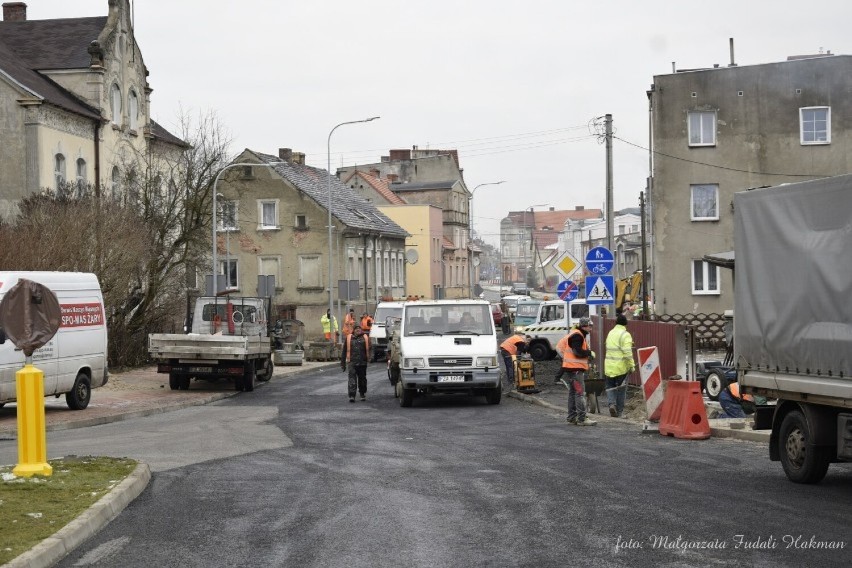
(793, 319)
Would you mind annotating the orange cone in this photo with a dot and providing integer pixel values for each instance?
(683, 411)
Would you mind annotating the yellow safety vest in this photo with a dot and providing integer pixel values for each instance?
(619, 352)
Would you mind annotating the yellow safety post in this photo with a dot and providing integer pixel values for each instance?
(32, 439)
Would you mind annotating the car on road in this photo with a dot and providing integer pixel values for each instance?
(520, 288)
(497, 314)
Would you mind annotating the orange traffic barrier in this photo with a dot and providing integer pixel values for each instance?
(683, 411)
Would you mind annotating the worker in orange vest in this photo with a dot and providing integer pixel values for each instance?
(732, 401)
(576, 355)
(511, 348)
(366, 323)
(349, 323)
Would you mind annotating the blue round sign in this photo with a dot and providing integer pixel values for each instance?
(567, 290)
(599, 260)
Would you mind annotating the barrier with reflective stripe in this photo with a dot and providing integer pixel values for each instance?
(652, 381)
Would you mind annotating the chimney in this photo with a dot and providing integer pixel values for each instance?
(400, 155)
(285, 154)
(579, 207)
(392, 178)
(374, 172)
(299, 158)
(14, 12)
(553, 208)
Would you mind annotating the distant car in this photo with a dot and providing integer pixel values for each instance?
(497, 314)
(521, 289)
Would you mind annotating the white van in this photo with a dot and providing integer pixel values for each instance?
(74, 361)
(378, 333)
(448, 346)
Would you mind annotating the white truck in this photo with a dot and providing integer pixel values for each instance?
(228, 338)
(379, 335)
(555, 318)
(448, 346)
(793, 319)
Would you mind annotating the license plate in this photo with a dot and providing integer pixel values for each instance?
(451, 379)
(200, 369)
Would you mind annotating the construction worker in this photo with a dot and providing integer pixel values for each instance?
(618, 363)
(366, 323)
(349, 323)
(511, 348)
(576, 355)
(329, 325)
(733, 403)
(354, 357)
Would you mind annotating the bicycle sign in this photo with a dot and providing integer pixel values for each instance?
(599, 260)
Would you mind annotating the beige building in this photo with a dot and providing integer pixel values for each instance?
(720, 130)
(424, 264)
(75, 105)
(274, 221)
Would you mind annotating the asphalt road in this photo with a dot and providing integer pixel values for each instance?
(295, 475)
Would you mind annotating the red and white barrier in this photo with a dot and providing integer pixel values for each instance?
(652, 381)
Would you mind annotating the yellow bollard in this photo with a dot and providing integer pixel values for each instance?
(32, 440)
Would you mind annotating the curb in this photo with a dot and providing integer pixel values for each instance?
(716, 432)
(54, 548)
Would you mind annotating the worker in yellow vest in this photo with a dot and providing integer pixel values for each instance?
(618, 363)
(354, 357)
(329, 325)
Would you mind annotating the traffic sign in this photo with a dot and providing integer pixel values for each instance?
(599, 290)
(567, 290)
(566, 265)
(599, 260)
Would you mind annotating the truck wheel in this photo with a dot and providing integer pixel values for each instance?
(250, 378)
(539, 352)
(184, 382)
(174, 381)
(406, 397)
(493, 397)
(268, 367)
(78, 397)
(714, 385)
(802, 463)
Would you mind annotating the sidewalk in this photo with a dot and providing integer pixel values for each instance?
(135, 393)
(555, 397)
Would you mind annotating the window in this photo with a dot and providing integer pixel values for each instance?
(815, 125)
(228, 267)
(267, 212)
(268, 266)
(228, 211)
(116, 182)
(705, 202)
(59, 170)
(81, 176)
(310, 272)
(115, 98)
(702, 128)
(705, 278)
(301, 222)
(133, 110)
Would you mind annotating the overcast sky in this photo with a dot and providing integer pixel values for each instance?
(514, 86)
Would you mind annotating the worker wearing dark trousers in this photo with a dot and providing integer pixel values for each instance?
(510, 349)
(356, 355)
(575, 361)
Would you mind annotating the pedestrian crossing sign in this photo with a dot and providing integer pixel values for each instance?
(599, 290)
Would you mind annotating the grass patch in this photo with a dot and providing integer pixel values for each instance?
(33, 508)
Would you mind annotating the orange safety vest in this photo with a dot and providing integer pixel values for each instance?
(735, 392)
(571, 361)
(366, 324)
(511, 344)
(349, 346)
(348, 324)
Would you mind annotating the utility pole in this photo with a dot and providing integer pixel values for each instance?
(609, 206)
(644, 287)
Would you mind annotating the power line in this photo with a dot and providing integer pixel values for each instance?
(715, 165)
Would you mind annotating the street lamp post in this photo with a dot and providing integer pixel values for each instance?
(470, 265)
(213, 271)
(330, 238)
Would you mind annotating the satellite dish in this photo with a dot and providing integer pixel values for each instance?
(411, 256)
(476, 261)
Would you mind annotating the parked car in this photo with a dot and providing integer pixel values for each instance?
(497, 314)
(521, 289)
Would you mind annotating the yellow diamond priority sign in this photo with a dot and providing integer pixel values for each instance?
(566, 265)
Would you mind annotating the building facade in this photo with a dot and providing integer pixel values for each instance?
(74, 105)
(726, 129)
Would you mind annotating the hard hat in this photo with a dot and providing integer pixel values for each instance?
(585, 322)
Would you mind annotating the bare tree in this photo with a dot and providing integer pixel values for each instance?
(145, 237)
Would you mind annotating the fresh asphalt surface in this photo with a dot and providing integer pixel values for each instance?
(294, 474)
